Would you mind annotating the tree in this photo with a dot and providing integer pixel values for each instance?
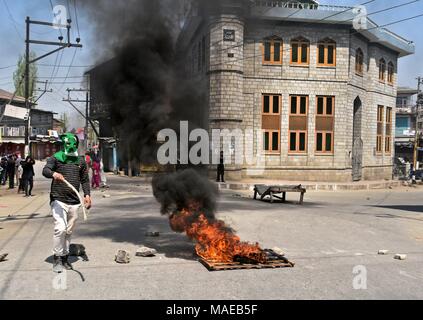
(19, 74)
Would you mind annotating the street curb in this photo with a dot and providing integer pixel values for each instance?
(318, 186)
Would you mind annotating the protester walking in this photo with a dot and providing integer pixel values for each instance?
(66, 165)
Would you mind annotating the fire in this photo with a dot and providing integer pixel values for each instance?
(214, 240)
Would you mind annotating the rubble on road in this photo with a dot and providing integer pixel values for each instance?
(123, 257)
(152, 234)
(383, 252)
(146, 252)
(106, 196)
(3, 257)
(400, 256)
(278, 251)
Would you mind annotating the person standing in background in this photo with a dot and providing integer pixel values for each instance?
(28, 175)
(11, 167)
(18, 172)
(221, 169)
(3, 173)
(96, 174)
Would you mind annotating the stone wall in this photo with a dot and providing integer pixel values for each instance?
(237, 79)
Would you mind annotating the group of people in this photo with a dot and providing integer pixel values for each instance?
(18, 172)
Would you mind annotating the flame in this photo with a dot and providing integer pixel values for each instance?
(214, 240)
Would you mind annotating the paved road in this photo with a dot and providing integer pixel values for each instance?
(327, 237)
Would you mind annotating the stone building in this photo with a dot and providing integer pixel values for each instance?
(321, 92)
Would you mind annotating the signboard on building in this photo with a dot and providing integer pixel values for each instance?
(228, 35)
(15, 112)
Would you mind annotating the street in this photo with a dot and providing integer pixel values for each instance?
(327, 237)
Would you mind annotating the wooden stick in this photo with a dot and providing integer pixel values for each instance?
(84, 210)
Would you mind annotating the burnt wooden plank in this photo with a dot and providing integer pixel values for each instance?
(218, 266)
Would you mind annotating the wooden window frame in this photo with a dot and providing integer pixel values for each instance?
(391, 71)
(271, 113)
(382, 70)
(324, 132)
(272, 52)
(326, 45)
(297, 142)
(300, 42)
(388, 133)
(298, 132)
(359, 62)
(379, 137)
(271, 151)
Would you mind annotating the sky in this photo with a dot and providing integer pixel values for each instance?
(12, 32)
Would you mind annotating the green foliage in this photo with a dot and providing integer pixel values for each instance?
(18, 76)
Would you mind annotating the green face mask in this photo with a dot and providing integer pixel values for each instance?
(70, 152)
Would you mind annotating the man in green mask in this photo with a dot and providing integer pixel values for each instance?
(66, 165)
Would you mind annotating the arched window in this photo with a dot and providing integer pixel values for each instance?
(326, 52)
(359, 60)
(300, 51)
(390, 73)
(272, 50)
(382, 70)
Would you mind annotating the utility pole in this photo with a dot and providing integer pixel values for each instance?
(88, 121)
(61, 45)
(417, 136)
(43, 91)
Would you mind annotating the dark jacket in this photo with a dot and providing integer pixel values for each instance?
(75, 174)
(28, 169)
(10, 168)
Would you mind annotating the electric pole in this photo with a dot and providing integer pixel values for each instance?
(61, 45)
(43, 91)
(88, 121)
(417, 136)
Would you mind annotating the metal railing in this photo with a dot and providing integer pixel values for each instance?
(299, 5)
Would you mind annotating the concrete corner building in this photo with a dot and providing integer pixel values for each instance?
(318, 82)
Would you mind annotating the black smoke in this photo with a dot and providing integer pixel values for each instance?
(145, 84)
(144, 80)
(181, 189)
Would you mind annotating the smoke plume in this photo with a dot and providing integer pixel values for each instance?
(143, 81)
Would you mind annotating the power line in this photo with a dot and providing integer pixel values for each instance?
(76, 18)
(305, 23)
(65, 66)
(394, 7)
(392, 23)
(7, 67)
(286, 50)
(69, 69)
(15, 24)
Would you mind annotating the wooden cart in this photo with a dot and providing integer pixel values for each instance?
(278, 192)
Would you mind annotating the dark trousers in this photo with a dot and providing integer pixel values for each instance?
(220, 173)
(3, 177)
(28, 184)
(11, 180)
